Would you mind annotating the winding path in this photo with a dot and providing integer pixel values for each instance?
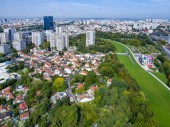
(144, 68)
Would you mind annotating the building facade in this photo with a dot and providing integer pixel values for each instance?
(10, 32)
(90, 38)
(19, 45)
(48, 23)
(37, 38)
(59, 41)
(5, 48)
(4, 38)
(48, 34)
(18, 36)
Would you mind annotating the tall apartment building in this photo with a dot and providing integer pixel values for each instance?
(48, 23)
(4, 38)
(90, 38)
(19, 45)
(48, 34)
(10, 32)
(18, 36)
(37, 38)
(5, 48)
(59, 30)
(59, 41)
(53, 41)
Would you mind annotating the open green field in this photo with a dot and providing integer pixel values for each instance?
(161, 76)
(157, 94)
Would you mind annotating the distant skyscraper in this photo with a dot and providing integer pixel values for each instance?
(90, 38)
(48, 23)
(37, 38)
(168, 38)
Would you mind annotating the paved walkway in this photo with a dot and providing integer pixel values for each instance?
(145, 68)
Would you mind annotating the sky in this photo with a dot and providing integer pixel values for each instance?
(86, 8)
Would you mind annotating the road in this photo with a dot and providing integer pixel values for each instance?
(67, 80)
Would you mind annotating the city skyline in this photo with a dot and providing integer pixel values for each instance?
(86, 9)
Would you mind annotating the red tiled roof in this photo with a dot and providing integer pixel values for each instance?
(23, 106)
(79, 86)
(24, 115)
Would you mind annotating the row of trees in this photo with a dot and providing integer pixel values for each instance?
(101, 45)
(164, 66)
(132, 39)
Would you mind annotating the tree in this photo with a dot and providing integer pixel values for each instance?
(107, 71)
(45, 45)
(66, 116)
(90, 79)
(59, 84)
(80, 78)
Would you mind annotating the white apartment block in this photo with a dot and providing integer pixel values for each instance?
(53, 40)
(37, 38)
(59, 41)
(18, 36)
(5, 48)
(19, 45)
(10, 32)
(90, 38)
(48, 34)
(59, 30)
(4, 38)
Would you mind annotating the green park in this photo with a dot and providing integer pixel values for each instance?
(158, 96)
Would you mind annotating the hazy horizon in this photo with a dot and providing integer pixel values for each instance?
(86, 8)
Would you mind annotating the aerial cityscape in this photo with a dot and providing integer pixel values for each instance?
(84, 63)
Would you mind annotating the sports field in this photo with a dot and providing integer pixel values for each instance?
(157, 94)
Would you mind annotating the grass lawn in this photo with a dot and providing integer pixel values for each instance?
(157, 94)
(161, 76)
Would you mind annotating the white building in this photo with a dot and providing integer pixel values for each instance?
(5, 48)
(19, 45)
(48, 33)
(37, 38)
(59, 41)
(18, 36)
(59, 30)
(168, 38)
(53, 40)
(4, 38)
(90, 38)
(10, 32)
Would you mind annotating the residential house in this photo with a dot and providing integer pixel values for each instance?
(58, 96)
(23, 107)
(147, 60)
(7, 115)
(2, 108)
(24, 116)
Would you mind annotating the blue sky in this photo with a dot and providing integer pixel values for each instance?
(86, 8)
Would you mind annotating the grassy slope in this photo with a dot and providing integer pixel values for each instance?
(158, 95)
(161, 76)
